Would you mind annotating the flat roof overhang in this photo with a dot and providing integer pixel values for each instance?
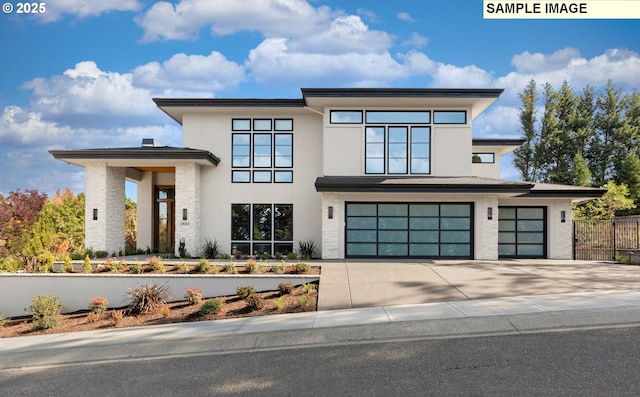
(136, 157)
(499, 146)
(390, 184)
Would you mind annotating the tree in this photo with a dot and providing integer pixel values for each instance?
(524, 158)
(614, 200)
(60, 225)
(629, 175)
(581, 175)
(130, 225)
(18, 212)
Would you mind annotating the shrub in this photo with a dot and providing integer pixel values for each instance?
(92, 317)
(182, 250)
(2, 320)
(210, 249)
(113, 265)
(279, 268)
(117, 316)
(165, 311)
(211, 306)
(302, 267)
(86, 265)
(254, 302)
(147, 298)
(308, 287)
(98, 305)
(245, 291)
(10, 265)
(230, 267)
(156, 264)
(307, 249)
(279, 303)
(203, 266)
(251, 266)
(44, 263)
(193, 295)
(304, 300)
(185, 268)
(101, 254)
(135, 268)
(285, 288)
(46, 311)
(292, 256)
(68, 265)
(224, 256)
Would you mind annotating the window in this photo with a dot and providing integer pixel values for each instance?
(387, 150)
(483, 158)
(398, 117)
(450, 117)
(346, 117)
(261, 228)
(259, 152)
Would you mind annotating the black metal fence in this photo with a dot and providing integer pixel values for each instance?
(599, 240)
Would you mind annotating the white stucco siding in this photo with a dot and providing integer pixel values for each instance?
(450, 151)
(486, 170)
(213, 132)
(344, 151)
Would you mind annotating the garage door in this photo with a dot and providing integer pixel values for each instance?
(522, 232)
(416, 230)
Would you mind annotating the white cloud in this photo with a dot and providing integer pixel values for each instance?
(19, 127)
(184, 20)
(195, 73)
(416, 40)
(406, 17)
(538, 62)
(498, 122)
(85, 8)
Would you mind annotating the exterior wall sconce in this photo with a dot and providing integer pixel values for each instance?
(184, 214)
(489, 213)
(563, 216)
(330, 212)
(95, 214)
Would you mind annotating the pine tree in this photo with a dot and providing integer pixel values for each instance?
(524, 156)
(629, 175)
(580, 170)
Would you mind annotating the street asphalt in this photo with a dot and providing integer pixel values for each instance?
(371, 302)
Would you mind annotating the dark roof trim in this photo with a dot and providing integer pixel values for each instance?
(572, 193)
(163, 153)
(413, 185)
(227, 102)
(402, 92)
(497, 142)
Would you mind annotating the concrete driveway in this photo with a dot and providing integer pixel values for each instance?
(355, 283)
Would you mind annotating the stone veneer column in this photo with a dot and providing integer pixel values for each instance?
(560, 234)
(188, 197)
(331, 227)
(104, 191)
(486, 237)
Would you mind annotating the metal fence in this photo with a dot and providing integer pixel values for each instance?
(599, 240)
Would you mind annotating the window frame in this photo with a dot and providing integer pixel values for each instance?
(331, 113)
(479, 154)
(438, 112)
(274, 238)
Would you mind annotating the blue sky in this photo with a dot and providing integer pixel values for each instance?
(82, 74)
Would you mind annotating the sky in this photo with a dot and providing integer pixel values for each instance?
(82, 74)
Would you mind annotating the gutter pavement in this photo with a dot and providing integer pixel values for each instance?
(605, 301)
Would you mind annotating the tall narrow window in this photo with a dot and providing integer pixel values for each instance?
(262, 150)
(284, 150)
(397, 163)
(375, 148)
(420, 150)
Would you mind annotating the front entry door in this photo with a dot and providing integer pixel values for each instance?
(164, 224)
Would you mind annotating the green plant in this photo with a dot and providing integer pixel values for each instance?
(203, 266)
(86, 265)
(304, 300)
(113, 265)
(98, 305)
(308, 287)
(245, 291)
(101, 254)
(285, 288)
(135, 268)
(279, 268)
(10, 265)
(147, 298)
(155, 263)
(224, 256)
(254, 302)
(307, 249)
(67, 267)
(211, 306)
(210, 249)
(302, 267)
(193, 295)
(46, 311)
(186, 269)
(292, 256)
(44, 263)
(279, 303)
(2, 320)
(230, 267)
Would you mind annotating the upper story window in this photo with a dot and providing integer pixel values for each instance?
(484, 158)
(397, 150)
(346, 117)
(450, 117)
(262, 156)
(398, 117)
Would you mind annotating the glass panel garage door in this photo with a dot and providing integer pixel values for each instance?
(420, 230)
(522, 232)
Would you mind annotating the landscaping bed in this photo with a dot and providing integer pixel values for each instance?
(302, 298)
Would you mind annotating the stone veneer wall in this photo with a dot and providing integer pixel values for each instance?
(331, 227)
(188, 196)
(105, 191)
(560, 239)
(486, 231)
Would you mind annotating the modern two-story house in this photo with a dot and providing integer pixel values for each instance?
(364, 173)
